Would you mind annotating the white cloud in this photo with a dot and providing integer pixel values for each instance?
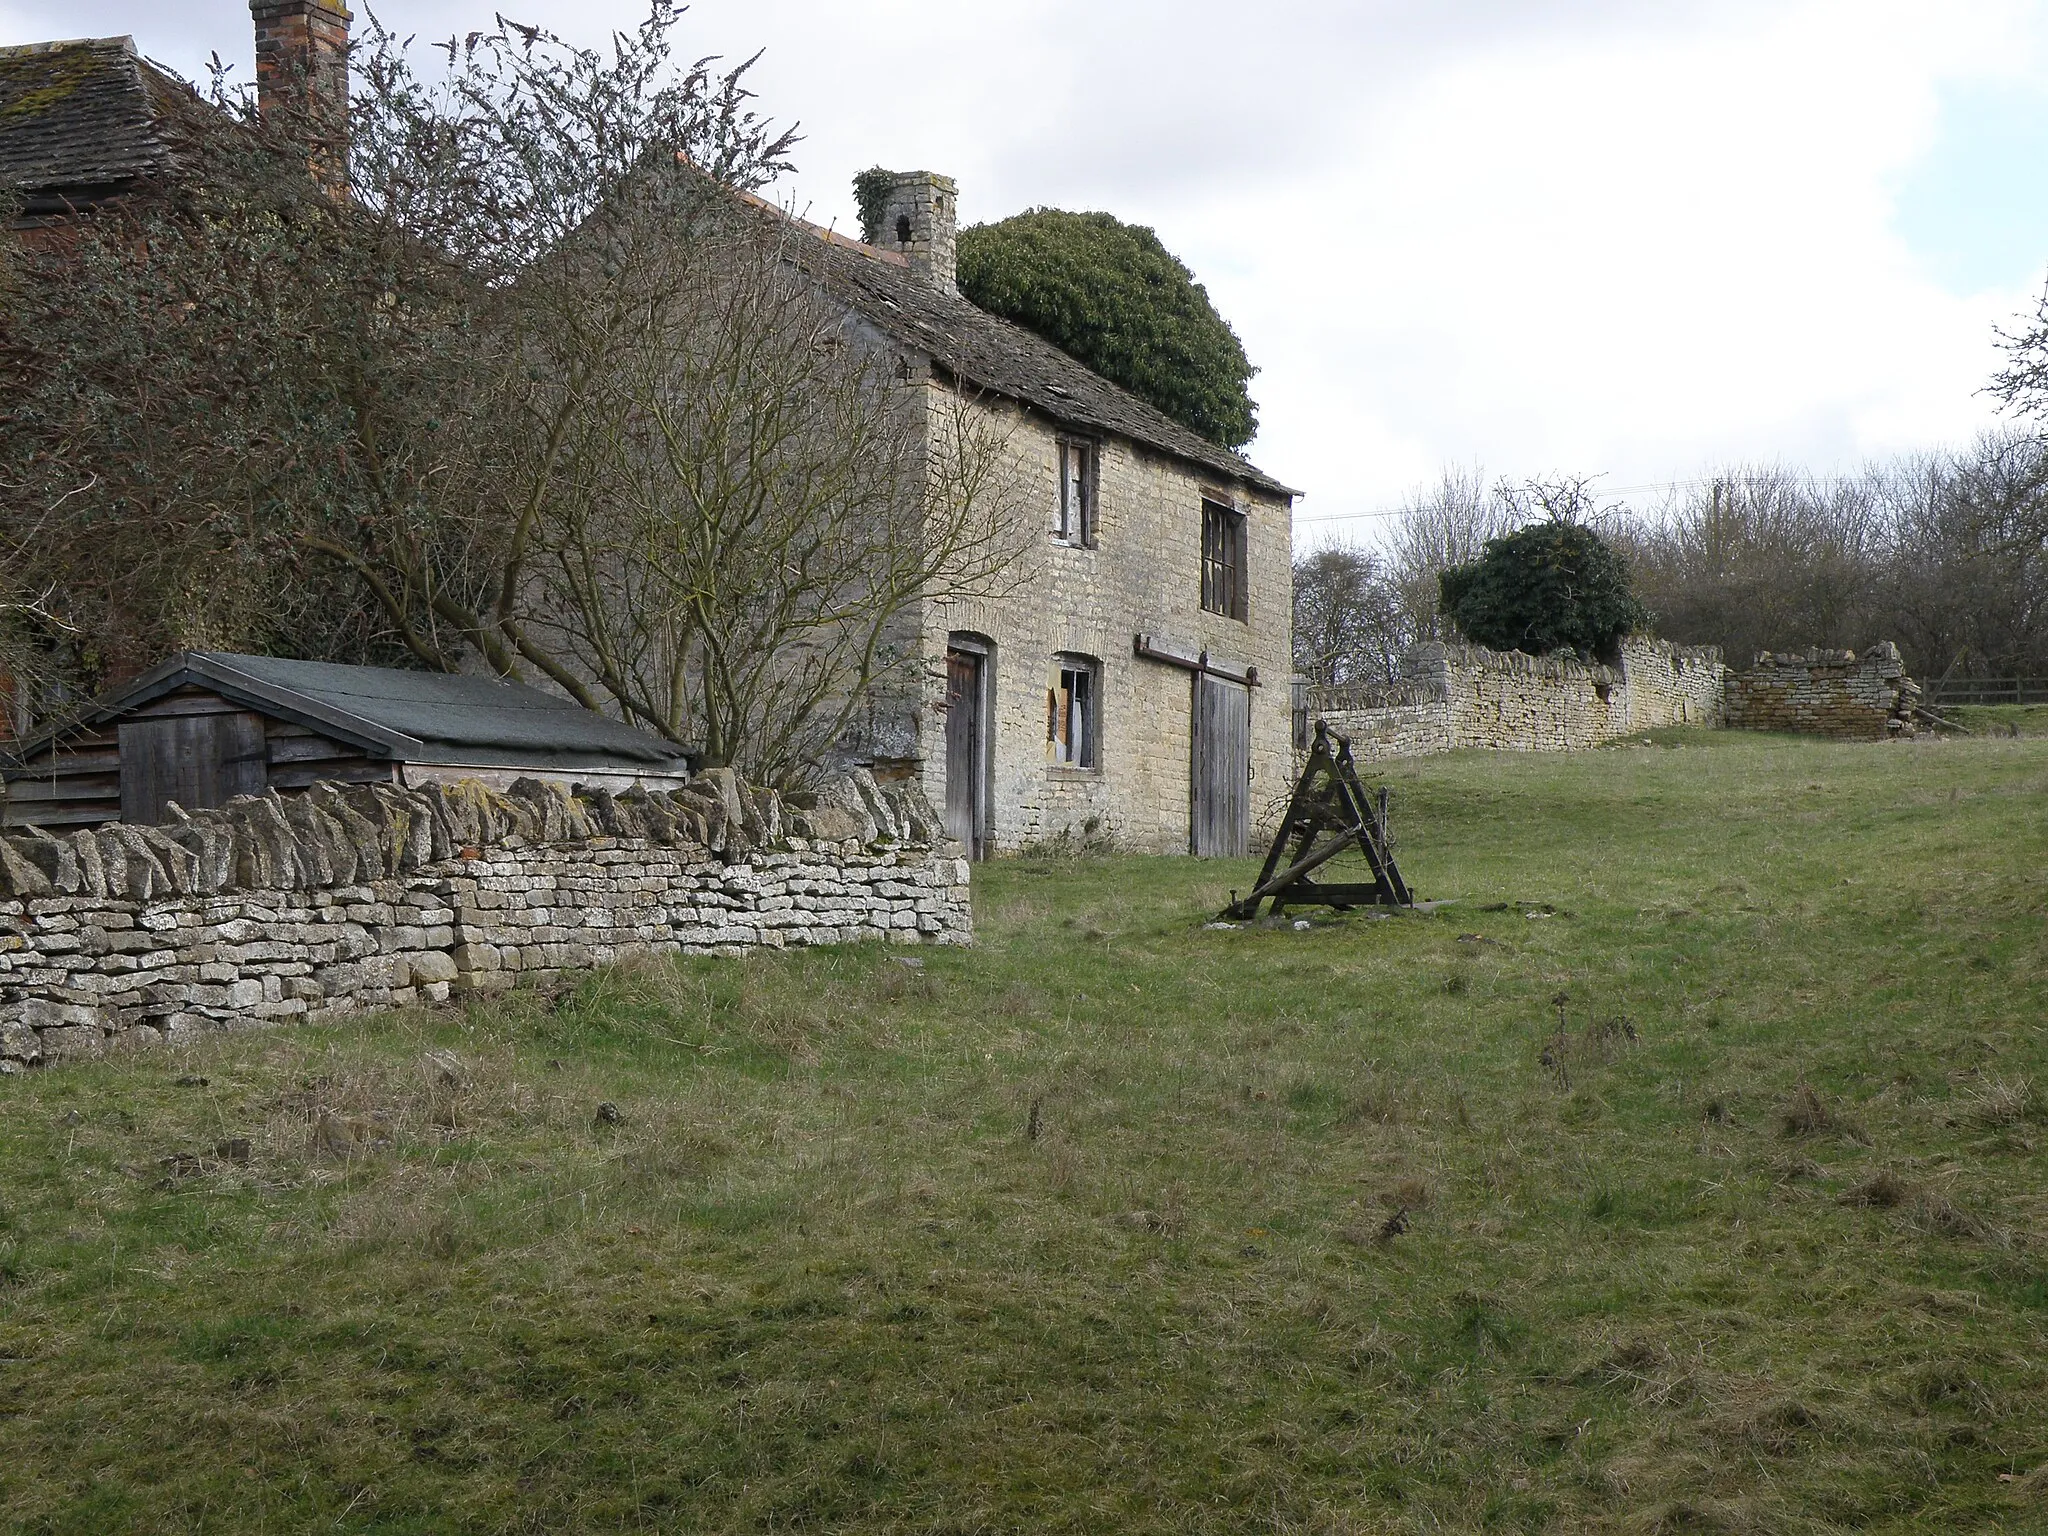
(1582, 234)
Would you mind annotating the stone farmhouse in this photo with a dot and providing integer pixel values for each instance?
(1132, 682)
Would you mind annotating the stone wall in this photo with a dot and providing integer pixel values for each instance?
(366, 896)
(1673, 684)
(1395, 729)
(1143, 575)
(1453, 696)
(1826, 693)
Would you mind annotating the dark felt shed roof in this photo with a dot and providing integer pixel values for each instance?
(82, 120)
(417, 717)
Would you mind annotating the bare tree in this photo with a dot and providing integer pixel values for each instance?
(1356, 611)
(1348, 624)
(2021, 386)
(305, 418)
(1445, 525)
(539, 392)
(1761, 557)
(1966, 579)
(753, 498)
(1942, 552)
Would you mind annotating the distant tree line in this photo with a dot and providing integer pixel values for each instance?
(1944, 553)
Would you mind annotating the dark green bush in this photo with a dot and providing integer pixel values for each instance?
(1111, 296)
(1550, 586)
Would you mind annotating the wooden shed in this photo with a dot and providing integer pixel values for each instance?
(206, 726)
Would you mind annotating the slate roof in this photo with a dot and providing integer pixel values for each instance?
(414, 717)
(82, 120)
(972, 345)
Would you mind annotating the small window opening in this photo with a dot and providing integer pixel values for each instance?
(1071, 722)
(1074, 517)
(903, 229)
(1223, 560)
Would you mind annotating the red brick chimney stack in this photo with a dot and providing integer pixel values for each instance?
(302, 65)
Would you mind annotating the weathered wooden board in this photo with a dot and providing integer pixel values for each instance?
(965, 754)
(198, 760)
(1222, 768)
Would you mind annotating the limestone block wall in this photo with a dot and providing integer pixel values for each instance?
(1143, 575)
(1386, 722)
(368, 896)
(1826, 693)
(1511, 702)
(1453, 696)
(1673, 684)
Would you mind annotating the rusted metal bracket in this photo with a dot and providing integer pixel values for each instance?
(1329, 813)
(1192, 659)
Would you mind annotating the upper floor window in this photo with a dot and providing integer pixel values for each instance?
(1071, 712)
(1074, 518)
(1223, 560)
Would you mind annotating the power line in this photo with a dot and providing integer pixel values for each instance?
(1347, 517)
(1616, 490)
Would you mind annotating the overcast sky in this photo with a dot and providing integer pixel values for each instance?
(1639, 238)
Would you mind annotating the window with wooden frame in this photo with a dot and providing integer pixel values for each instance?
(1074, 517)
(1072, 712)
(1224, 542)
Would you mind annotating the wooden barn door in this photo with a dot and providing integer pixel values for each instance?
(1222, 768)
(966, 748)
(196, 760)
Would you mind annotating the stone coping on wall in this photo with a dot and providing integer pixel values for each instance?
(1452, 695)
(316, 905)
(1442, 658)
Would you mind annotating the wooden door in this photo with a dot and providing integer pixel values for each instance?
(1222, 768)
(197, 760)
(966, 755)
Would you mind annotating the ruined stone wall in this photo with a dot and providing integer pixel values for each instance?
(1673, 684)
(367, 896)
(1826, 693)
(1453, 696)
(1144, 575)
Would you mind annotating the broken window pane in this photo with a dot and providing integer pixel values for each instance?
(1070, 712)
(1223, 559)
(1075, 522)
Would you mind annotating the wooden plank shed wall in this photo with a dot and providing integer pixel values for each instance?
(192, 738)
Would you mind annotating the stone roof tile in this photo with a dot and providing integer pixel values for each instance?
(81, 120)
(972, 345)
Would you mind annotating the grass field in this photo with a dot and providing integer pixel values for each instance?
(2001, 719)
(1684, 1175)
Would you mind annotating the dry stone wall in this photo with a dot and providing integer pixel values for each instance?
(366, 896)
(1398, 728)
(1453, 696)
(1826, 693)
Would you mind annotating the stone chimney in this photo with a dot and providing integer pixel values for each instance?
(302, 65)
(919, 221)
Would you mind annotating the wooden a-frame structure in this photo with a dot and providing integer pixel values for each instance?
(1330, 812)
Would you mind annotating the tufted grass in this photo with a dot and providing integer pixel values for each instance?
(1327, 1231)
(2001, 719)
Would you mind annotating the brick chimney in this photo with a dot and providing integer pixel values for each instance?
(919, 221)
(302, 65)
